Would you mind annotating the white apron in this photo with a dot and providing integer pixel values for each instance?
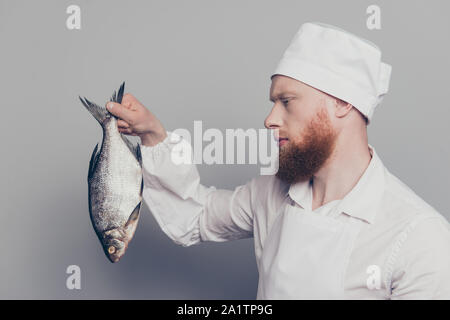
(305, 255)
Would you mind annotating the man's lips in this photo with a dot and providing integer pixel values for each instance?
(282, 141)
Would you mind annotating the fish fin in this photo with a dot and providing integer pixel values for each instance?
(139, 154)
(120, 93)
(99, 113)
(139, 157)
(135, 149)
(93, 162)
(134, 216)
(129, 144)
(118, 97)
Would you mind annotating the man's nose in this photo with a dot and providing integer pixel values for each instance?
(273, 120)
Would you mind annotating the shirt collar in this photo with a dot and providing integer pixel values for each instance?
(361, 202)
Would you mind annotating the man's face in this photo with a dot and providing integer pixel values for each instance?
(300, 116)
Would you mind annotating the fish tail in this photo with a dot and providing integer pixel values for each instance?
(99, 113)
(118, 97)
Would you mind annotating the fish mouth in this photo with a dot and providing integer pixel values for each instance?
(114, 244)
(115, 251)
(113, 257)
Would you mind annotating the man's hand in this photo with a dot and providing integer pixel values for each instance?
(137, 120)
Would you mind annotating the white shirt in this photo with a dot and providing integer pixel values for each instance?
(381, 241)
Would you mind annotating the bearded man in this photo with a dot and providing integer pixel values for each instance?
(333, 222)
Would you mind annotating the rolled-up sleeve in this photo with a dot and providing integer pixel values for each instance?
(187, 211)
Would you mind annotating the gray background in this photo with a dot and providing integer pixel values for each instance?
(185, 60)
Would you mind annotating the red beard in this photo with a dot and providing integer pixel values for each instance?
(299, 161)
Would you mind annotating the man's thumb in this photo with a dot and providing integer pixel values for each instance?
(119, 111)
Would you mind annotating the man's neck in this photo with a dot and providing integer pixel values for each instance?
(342, 170)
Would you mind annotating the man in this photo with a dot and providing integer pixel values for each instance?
(333, 223)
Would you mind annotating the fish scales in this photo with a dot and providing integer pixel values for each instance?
(114, 183)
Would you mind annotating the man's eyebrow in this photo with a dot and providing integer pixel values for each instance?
(281, 95)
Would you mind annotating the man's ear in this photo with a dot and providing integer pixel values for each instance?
(342, 108)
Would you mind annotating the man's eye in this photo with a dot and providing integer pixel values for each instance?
(285, 102)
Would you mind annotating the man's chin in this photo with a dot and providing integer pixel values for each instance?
(291, 177)
(297, 164)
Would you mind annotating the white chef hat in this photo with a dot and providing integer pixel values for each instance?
(339, 63)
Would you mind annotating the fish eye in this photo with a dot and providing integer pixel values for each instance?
(111, 249)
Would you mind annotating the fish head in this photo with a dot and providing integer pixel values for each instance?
(115, 240)
(115, 243)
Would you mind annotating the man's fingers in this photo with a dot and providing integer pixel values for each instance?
(120, 111)
(126, 103)
(125, 130)
(130, 101)
(122, 124)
